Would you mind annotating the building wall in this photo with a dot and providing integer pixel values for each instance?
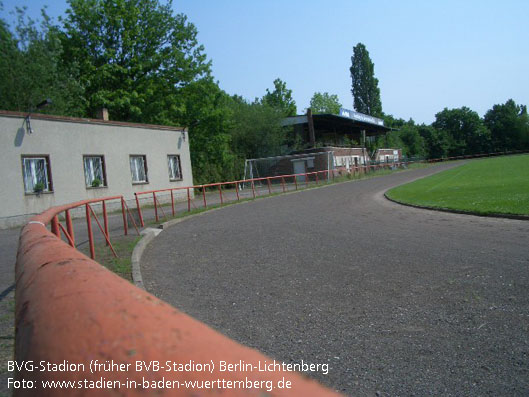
(380, 155)
(320, 159)
(65, 141)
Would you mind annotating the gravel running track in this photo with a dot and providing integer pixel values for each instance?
(398, 300)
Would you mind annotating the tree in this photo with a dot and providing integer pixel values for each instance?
(436, 141)
(509, 126)
(134, 57)
(207, 113)
(465, 129)
(280, 98)
(31, 70)
(325, 103)
(413, 142)
(365, 89)
(256, 129)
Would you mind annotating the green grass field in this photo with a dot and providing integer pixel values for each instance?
(497, 185)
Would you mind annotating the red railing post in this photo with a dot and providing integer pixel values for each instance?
(107, 238)
(316, 177)
(90, 234)
(269, 186)
(283, 183)
(55, 226)
(306, 180)
(172, 202)
(69, 227)
(130, 215)
(296, 181)
(125, 225)
(220, 194)
(204, 196)
(237, 190)
(188, 201)
(140, 215)
(105, 217)
(253, 189)
(155, 206)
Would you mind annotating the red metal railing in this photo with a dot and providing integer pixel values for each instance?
(72, 312)
(51, 216)
(282, 180)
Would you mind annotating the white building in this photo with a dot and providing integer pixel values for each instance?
(52, 160)
(392, 155)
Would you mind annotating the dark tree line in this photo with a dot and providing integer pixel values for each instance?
(457, 132)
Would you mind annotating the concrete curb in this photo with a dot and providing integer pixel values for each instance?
(440, 209)
(148, 235)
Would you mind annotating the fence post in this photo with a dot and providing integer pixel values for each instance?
(140, 215)
(188, 201)
(105, 218)
(269, 185)
(204, 196)
(316, 177)
(237, 190)
(296, 181)
(283, 183)
(253, 189)
(90, 234)
(155, 206)
(55, 226)
(172, 202)
(69, 228)
(220, 194)
(125, 225)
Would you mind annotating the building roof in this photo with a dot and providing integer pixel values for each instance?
(346, 122)
(51, 117)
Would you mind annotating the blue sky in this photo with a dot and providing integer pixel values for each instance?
(428, 55)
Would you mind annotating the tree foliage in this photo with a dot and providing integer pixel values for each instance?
(365, 89)
(325, 103)
(256, 129)
(205, 110)
(509, 126)
(280, 98)
(134, 56)
(465, 130)
(31, 69)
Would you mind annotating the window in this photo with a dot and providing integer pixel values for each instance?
(175, 172)
(138, 169)
(94, 171)
(37, 174)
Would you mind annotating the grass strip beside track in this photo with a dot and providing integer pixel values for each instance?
(490, 186)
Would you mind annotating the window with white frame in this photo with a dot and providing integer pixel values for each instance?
(175, 171)
(138, 168)
(94, 171)
(37, 174)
